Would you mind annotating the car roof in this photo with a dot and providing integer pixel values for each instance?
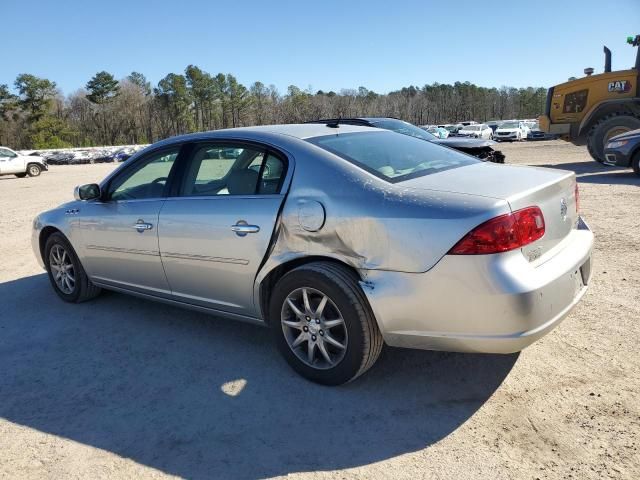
(297, 130)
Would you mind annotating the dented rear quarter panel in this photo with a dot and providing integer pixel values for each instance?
(370, 223)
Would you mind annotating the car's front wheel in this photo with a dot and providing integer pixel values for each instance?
(323, 324)
(66, 274)
(34, 169)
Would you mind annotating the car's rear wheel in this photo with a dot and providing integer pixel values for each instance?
(66, 274)
(21, 175)
(34, 169)
(323, 324)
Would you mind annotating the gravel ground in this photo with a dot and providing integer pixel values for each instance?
(125, 388)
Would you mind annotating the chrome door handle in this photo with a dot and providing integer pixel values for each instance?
(242, 228)
(141, 226)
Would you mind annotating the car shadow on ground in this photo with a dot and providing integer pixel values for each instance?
(201, 397)
(594, 172)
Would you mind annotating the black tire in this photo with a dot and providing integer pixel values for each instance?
(604, 129)
(33, 169)
(635, 163)
(21, 175)
(340, 285)
(83, 289)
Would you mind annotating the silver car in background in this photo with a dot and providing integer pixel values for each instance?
(340, 238)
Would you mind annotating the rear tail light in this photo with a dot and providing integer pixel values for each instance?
(577, 193)
(503, 233)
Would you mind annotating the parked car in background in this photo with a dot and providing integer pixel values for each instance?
(624, 150)
(438, 132)
(12, 163)
(480, 148)
(453, 129)
(536, 134)
(339, 238)
(511, 130)
(468, 122)
(494, 124)
(479, 130)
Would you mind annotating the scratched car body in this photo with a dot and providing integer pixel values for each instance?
(340, 238)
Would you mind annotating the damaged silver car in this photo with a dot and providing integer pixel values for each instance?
(340, 238)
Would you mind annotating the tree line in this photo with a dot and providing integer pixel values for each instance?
(35, 114)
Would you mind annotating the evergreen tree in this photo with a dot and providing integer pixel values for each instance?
(102, 88)
(140, 81)
(36, 95)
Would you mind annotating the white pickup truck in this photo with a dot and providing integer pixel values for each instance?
(12, 163)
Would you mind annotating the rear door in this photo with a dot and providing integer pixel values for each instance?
(214, 233)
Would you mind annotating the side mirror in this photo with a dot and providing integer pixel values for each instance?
(89, 191)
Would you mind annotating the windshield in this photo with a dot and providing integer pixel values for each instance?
(451, 128)
(472, 128)
(404, 128)
(390, 156)
(509, 125)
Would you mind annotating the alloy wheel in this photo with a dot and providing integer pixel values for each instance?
(314, 328)
(62, 269)
(34, 171)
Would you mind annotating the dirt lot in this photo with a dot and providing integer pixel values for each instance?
(124, 388)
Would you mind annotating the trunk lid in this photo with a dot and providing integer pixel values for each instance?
(553, 191)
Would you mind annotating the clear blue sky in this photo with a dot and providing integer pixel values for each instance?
(328, 45)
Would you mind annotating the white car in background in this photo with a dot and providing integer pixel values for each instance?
(479, 130)
(511, 130)
(12, 163)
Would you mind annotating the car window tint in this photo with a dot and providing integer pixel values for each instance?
(6, 153)
(222, 170)
(391, 156)
(272, 175)
(148, 179)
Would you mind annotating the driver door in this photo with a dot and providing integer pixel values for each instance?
(120, 232)
(10, 162)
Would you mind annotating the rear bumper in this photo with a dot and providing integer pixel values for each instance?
(485, 303)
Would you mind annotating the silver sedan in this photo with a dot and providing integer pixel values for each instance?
(339, 238)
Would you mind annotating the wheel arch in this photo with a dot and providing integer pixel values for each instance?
(45, 233)
(38, 164)
(274, 275)
(623, 106)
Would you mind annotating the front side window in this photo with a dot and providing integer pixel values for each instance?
(5, 152)
(148, 179)
(392, 157)
(231, 170)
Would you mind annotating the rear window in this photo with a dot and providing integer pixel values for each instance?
(391, 156)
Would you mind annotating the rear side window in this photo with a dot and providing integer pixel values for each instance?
(392, 156)
(215, 169)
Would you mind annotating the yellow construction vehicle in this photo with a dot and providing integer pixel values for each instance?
(591, 110)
